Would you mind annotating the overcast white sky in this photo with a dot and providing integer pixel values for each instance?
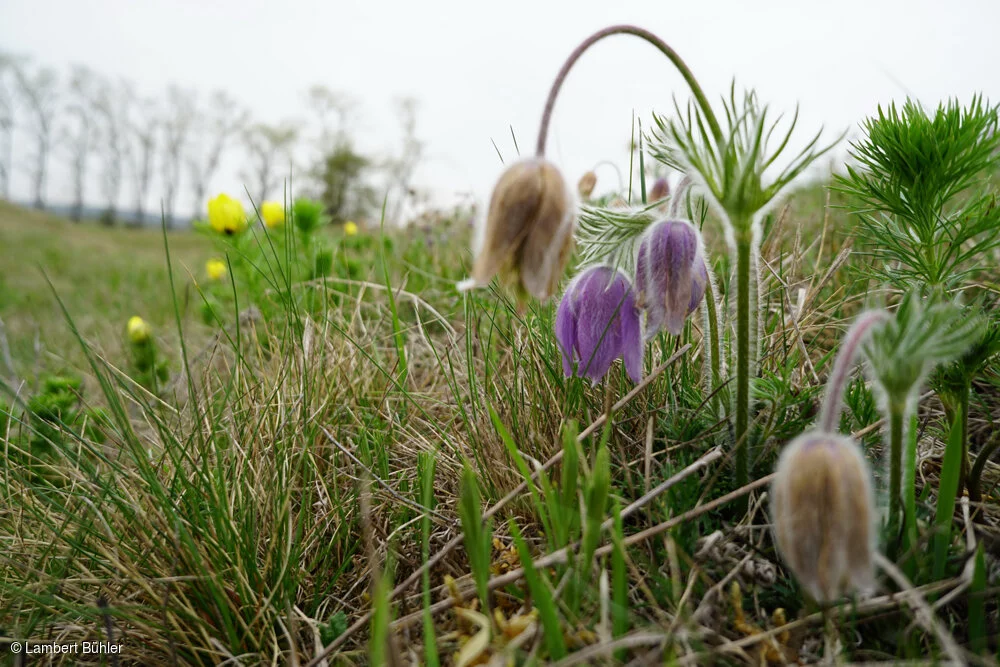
(478, 68)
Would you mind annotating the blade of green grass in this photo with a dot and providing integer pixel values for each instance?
(551, 627)
(947, 487)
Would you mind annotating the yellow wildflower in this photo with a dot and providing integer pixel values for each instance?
(138, 330)
(216, 269)
(226, 215)
(350, 228)
(272, 213)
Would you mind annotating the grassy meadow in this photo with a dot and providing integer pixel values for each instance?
(330, 456)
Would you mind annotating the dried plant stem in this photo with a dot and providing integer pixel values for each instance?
(871, 606)
(664, 48)
(922, 611)
(562, 555)
(590, 654)
(455, 541)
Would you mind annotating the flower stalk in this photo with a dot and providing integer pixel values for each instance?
(897, 433)
(743, 274)
(663, 47)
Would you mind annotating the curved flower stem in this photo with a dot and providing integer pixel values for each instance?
(677, 199)
(976, 474)
(833, 400)
(699, 95)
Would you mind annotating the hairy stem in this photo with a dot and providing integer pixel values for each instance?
(664, 48)
(909, 476)
(743, 249)
(833, 400)
(897, 415)
(715, 347)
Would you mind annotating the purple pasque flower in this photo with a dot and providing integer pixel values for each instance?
(598, 322)
(670, 275)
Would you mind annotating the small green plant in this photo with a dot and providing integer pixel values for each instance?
(923, 198)
(921, 335)
(922, 192)
(148, 368)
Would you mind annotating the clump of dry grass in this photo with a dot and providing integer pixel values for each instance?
(223, 520)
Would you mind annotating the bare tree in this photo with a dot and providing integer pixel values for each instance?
(143, 126)
(326, 128)
(78, 135)
(8, 82)
(40, 92)
(112, 104)
(215, 129)
(331, 112)
(401, 168)
(177, 122)
(270, 148)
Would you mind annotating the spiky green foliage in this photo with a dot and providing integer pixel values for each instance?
(732, 165)
(922, 334)
(921, 180)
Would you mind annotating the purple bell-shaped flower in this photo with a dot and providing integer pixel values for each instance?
(670, 275)
(597, 322)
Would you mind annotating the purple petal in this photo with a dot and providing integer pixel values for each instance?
(642, 270)
(566, 331)
(598, 322)
(698, 284)
(673, 247)
(649, 302)
(598, 331)
(631, 338)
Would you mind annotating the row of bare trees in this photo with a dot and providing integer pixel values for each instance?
(107, 132)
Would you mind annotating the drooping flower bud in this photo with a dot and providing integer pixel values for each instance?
(272, 213)
(597, 322)
(586, 185)
(529, 230)
(226, 215)
(670, 276)
(660, 190)
(824, 514)
(138, 329)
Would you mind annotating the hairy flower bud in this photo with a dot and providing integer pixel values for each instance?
(272, 213)
(138, 329)
(226, 215)
(671, 275)
(597, 322)
(586, 185)
(660, 190)
(529, 230)
(824, 514)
